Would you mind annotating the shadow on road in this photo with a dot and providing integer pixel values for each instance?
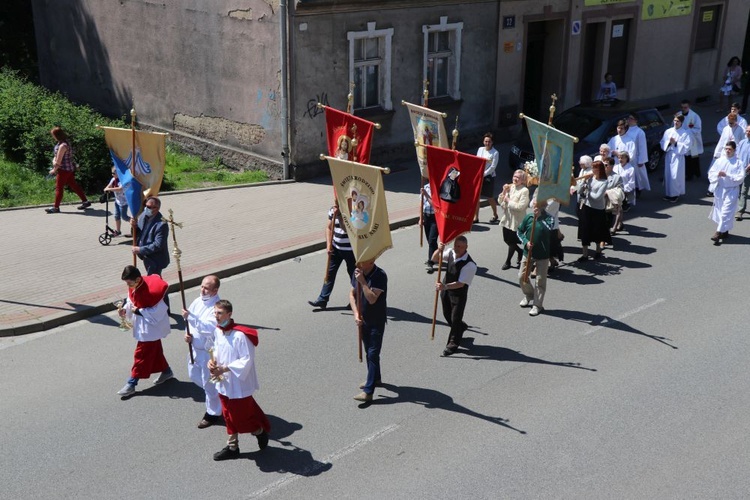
(289, 459)
(599, 320)
(478, 352)
(432, 399)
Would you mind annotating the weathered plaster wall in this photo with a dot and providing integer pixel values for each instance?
(324, 47)
(209, 68)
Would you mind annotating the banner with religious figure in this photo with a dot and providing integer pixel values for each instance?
(553, 152)
(429, 130)
(349, 137)
(361, 198)
(142, 177)
(455, 181)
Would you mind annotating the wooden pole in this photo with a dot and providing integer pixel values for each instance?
(134, 227)
(421, 217)
(437, 292)
(527, 268)
(359, 327)
(177, 253)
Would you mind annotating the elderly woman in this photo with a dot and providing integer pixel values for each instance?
(616, 195)
(604, 152)
(513, 202)
(592, 221)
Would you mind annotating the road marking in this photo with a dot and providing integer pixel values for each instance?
(605, 322)
(290, 477)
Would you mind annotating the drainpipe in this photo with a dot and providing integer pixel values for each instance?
(284, 87)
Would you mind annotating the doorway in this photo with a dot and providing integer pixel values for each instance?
(543, 65)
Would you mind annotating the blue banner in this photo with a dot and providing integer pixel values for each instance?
(553, 151)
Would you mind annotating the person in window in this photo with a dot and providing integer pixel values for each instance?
(608, 89)
(731, 77)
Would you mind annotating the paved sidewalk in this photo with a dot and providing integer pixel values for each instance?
(55, 271)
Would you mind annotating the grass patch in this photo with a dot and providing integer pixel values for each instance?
(21, 186)
(184, 171)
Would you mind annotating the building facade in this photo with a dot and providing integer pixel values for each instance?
(209, 71)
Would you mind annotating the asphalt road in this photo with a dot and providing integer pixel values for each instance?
(633, 384)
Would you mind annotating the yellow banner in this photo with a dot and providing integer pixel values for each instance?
(150, 155)
(361, 197)
(659, 9)
(428, 127)
(591, 3)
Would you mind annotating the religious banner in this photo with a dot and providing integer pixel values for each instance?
(553, 151)
(659, 9)
(349, 137)
(361, 198)
(455, 183)
(429, 130)
(142, 177)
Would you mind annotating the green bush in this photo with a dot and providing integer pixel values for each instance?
(27, 114)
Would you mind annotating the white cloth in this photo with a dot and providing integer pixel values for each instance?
(120, 197)
(627, 174)
(726, 191)
(674, 161)
(467, 272)
(151, 324)
(491, 157)
(735, 134)
(693, 124)
(741, 122)
(237, 352)
(641, 158)
(202, 323)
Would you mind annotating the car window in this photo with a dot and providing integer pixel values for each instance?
(649, 118)
(580, 125)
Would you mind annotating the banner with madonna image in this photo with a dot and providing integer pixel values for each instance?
(361, 197)
(553, 164)
(429, 130)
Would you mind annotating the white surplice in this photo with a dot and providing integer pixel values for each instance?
(674, 161)
(726, 191)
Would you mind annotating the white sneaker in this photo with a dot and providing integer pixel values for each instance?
(526, 302)
(126, 391)
(163, 377)
(536, 311)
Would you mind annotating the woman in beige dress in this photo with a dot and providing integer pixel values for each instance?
(513, 202)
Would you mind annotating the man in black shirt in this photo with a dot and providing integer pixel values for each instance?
(370, 315)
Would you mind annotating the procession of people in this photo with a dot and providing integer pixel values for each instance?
(222, 353)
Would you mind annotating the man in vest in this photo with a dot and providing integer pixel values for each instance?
(454, 289)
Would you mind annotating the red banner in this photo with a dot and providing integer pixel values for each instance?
(349, 137)
(455, 181)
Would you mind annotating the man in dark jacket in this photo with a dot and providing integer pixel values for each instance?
(152, 236)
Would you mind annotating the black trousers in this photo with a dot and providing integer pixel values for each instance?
(453, 311)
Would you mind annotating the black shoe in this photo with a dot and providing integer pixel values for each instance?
(709, 194)
(582, 258)
(52, 210)
(318, 303)
(598, 255)
(262, 440)
(83, 206)
(506, 266)
(725, 235)
(716, 236)
(227, 453)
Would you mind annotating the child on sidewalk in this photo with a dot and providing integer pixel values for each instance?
(121, 203)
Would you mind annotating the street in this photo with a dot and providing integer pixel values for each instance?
(632, 384)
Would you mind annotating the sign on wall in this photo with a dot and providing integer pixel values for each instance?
(659, 9)
(591, 3)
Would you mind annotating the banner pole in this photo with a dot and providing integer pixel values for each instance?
(437, 292)
(134, 226)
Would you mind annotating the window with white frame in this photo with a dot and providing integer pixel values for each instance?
(370, 67)
(442, 58)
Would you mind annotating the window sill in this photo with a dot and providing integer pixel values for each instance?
(376, 113)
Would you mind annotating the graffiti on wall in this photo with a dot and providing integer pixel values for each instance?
(312, 105)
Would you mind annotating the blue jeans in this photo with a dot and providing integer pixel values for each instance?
(337, 257)
(372, 338)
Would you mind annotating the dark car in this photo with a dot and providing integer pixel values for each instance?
(594, 124)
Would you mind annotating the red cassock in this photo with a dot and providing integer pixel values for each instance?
(148, 357)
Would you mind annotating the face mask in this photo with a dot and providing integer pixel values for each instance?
(206, 298)
(224, 323)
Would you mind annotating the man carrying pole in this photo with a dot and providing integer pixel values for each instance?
(339, 250)
(454, 289)
(535, 233)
